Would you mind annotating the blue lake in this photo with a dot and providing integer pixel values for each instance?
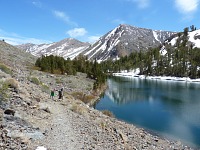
(168, 108)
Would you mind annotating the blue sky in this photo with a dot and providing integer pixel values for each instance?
(46, 21)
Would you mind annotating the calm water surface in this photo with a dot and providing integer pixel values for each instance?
(171, 109)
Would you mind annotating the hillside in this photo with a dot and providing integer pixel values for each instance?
(14, 57)
(30, 119)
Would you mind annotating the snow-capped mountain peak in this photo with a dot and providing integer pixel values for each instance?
(120, 41)
(125, 39)
(67, 48)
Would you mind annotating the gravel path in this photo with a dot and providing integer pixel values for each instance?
(59, 133)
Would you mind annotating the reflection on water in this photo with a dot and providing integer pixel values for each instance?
(167, 107)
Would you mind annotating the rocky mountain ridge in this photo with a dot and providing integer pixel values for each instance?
(118, 42)
(125, 39)
(67, 48)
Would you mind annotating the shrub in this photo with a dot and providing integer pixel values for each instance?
(87, 98)
(34, 80)
(78, 95)
(5, 69)
(3, 91)
(12, 83)
(58, 81)
(35, 68)
(83, 97)
(108, 113)
(45, 88)
(78, 109)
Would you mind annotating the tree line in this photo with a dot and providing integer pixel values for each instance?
(180, 60)
(58, 65)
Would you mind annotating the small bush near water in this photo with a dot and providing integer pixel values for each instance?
(108, 113)
(83, 97)
(78, 109)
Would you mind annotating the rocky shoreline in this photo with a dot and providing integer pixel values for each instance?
(31, 120)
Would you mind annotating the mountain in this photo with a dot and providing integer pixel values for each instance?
(67, 48)
(14, 57)
(121, 41)
(193, 38)
(125, 39)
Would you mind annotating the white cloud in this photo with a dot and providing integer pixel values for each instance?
(92, 39)
(141, 3)
(187, 6)
(37, 4)
(14, 39)
(119, 21)
(61, 15)
(77, 32)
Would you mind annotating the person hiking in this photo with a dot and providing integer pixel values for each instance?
(60, 94)
(52, 94)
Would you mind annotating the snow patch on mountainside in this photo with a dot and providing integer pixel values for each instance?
(173, 41)
(156, 36)
(194, 37)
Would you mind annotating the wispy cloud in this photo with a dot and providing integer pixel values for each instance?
(15, 39)
(118, 21)
(187, 6)
(77, 32)
(61, 15)
(140, 3)
(82, 35)
(37, 4)
(92, 39)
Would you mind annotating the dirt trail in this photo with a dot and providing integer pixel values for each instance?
(60, 133)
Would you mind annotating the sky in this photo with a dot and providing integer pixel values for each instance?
(47, 21)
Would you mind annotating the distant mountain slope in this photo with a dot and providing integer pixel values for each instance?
(67, 48)
(125, 39)
(121, 41)
(15, 57)
(193, 38)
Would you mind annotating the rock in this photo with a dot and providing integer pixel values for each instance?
(9, 112)
(41, 148)
(124, 137)
(46, 109)
(1, 115)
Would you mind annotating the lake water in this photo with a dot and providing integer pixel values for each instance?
(168, 108)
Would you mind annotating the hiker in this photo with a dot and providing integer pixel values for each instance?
(60, 94)
(52, 94)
